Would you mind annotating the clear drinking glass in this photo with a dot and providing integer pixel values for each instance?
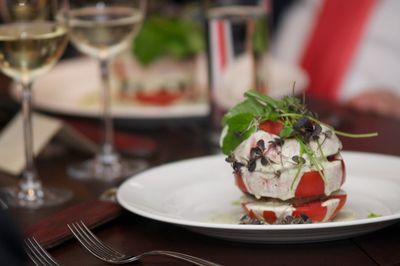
(103, 29)
(32, 39)
(237, 39)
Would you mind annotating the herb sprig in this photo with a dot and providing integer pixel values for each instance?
(244, 119)
(373, 215)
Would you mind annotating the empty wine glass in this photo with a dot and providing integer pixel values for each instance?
(32, 39)
(103, 29)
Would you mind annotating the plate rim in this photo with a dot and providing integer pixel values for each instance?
(224, 226)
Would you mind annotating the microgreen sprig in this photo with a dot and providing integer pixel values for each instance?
(244, 118)
(337, 132)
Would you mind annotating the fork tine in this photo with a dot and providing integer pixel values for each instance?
(38, 254)
(43, 251)
(107, 254)
(88, 245)
(100, 243)
(78, 235)
(32, 255)
(3, 205)
(93, 243)
(190, 258)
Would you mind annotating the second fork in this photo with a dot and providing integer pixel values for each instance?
(107, 254)
(38, 254)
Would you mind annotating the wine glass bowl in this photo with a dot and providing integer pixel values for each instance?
(103, 29)
(32, 40)
(29, 50)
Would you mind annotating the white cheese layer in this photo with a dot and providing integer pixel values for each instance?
(280, 177)
(282, 156)
(262, 184)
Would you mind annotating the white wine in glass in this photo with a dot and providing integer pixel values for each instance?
(31, 42)
(27, 50)
(103, 29)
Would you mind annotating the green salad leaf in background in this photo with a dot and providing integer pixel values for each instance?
(167, 36)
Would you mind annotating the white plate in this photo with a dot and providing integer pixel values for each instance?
(63, 90)
(73, 86)
(199, 194)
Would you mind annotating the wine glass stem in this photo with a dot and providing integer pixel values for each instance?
(107, 148)
(29, 180)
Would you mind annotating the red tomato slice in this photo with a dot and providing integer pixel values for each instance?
(314, 210)
(160, 97)
(272, 127)
(311, 184)
(270, 217)
(240, 183)
(344, 173)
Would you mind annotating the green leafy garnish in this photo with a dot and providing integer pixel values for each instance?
(236, 202)
(244, 119)
(373, 215)
(167, 36)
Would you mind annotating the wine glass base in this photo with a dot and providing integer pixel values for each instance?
(96, 169)
(48, 196)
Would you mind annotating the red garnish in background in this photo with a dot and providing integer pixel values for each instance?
(159, 97)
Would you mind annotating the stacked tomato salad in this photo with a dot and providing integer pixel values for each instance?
(285, 160)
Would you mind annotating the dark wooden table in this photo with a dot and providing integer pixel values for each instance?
(133, 234)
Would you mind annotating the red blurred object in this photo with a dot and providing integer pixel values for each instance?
(332, 45)
(53, 230)
(123, 141)
(160, 97)
(271, 127)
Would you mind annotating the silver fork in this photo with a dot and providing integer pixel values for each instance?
(38, 254)
(3, 205)
(107, 254)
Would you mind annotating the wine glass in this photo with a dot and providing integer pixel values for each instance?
(32, 39)
(103, 29)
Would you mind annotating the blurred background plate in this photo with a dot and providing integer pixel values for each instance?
(73, 86)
